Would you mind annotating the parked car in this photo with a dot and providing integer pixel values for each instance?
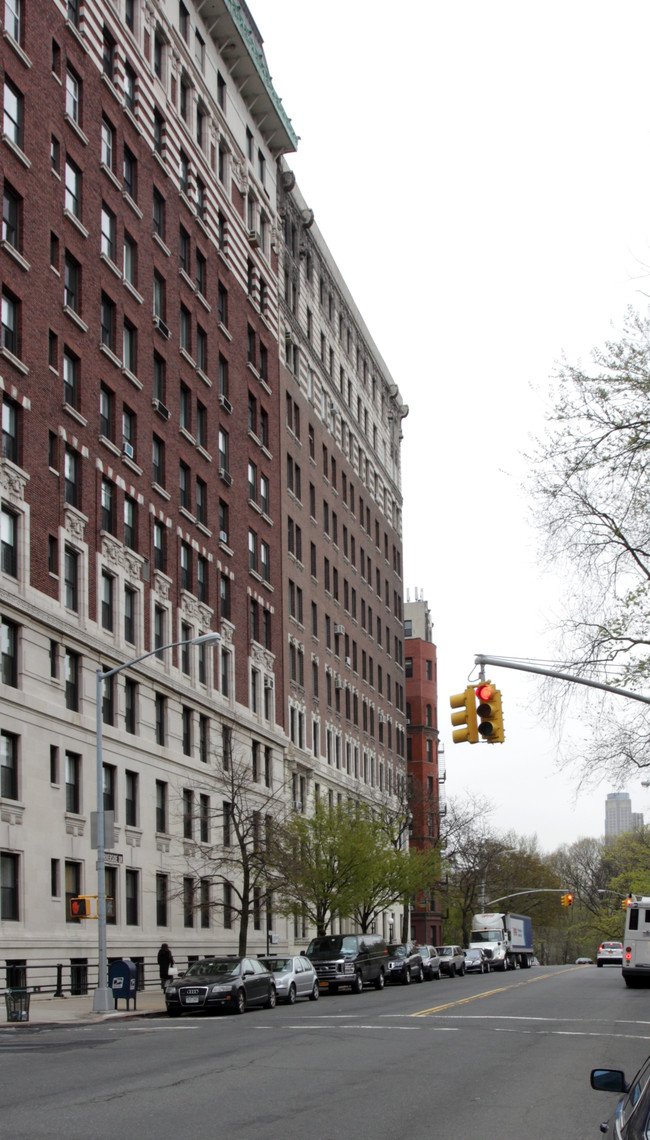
(221, 983)
(452, 960)
(610, 952)
(477, 962)
(404, 963)
(294, 977)
(430, 962)
(631, 1117)
(351, 960)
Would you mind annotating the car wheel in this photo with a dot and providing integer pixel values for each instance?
(272, 999)
(333, 988)
(452, 970)
(380, 980)
(315, 992)
(240, 1002)
(407, 976)
(291, 996)
(461, 970)
(357, 985)
(420, 975)
(436, 975)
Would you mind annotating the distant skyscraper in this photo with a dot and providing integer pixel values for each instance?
(619, 816)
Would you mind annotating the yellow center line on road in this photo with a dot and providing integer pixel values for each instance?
(489, 993)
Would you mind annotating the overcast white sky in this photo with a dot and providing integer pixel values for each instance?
(481, 173)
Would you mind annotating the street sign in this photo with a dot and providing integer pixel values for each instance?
(113, 859)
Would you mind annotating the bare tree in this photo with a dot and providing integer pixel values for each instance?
(590, 483)
(226, 843)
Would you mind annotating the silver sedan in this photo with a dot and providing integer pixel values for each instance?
(294, 977)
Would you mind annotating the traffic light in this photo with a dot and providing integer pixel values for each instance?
(627, 902)
(80, 908)
(490, 713)
(465, 718)
(567, 900)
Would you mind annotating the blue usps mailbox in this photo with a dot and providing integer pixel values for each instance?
(122, 980)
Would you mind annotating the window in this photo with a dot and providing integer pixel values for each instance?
(106, 402)
(130, 599)
(72, 95)
(9, 652)
(158, 129)
(107, 506)
(185, 330)
(188, 901)
(10, 322)
(9, 892)
(12, 20)
(159, 631)
(11, 216)
(222, 305)
(10, 431)
(161, 724)
(201, 576)
(201, 505)
(265, 561)
(71, 477)
(161, 805)
(129, 88)
(107, 232)
(8, 542)
(131, 888)
(201, 272)
(188, 813)
(185, 498)
(130, 523)
(252, 550)
(107, 144)
(158, 461)
(107, 323)
(71, 579)
(158, 213)
(108, 57)
(107, 604)
(159, 296)
(8, 766)
(72, 782)
(72, 284)
(70, 379)
(129, 348)
(161, 899)
(187, 731)
(186, 580)
(13, 113)
(201, 199)
(130, 174)
(108, 778)
(159, 546)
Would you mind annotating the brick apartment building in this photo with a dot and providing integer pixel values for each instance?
(159, 394)
(425, 760)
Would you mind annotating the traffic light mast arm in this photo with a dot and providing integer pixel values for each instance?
(530, 891)
(507, 663)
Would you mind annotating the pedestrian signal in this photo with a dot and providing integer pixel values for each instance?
(80, 908)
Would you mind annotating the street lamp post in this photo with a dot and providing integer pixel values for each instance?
(103, 997)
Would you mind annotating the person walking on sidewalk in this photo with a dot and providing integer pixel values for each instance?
(165, 960)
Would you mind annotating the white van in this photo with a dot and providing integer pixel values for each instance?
(636, 942)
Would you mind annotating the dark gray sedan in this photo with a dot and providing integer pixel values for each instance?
(221, 983)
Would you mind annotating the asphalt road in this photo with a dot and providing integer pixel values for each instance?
(504, 1056)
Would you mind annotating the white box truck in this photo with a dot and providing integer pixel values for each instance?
(636, 942)
(506, 939)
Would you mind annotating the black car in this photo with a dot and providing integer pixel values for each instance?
(404, 963)
(221, 983)
(631, 1117)
(477, 962)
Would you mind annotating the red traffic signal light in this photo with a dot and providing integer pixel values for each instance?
(490, 713)
(567, 900)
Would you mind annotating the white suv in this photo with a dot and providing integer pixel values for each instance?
(610, 952)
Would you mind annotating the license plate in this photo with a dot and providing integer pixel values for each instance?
(191, 1000)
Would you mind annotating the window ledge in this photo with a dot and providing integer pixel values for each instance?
(13, 252)
(265, 386)
(206, 379)
(108, 261)
(110, 354)
(159, 241)
(188, 358)
(130, 115)
(81, 40)
(76, 128)
(224, 331)
(206, 454)
(15, 361)
(108, 83)
(187, 514)
(206, 304)
(160, 159)
(75, 414)
(75, 221)
(133, 291)
(19, 153)
(161, 491)
(22, 55)
(134, 206)
(103, 439)
(186, 278)
(132, 378)
(204, 529)
(188, 435)
(251, 367)
(109, 173)
(131, 464)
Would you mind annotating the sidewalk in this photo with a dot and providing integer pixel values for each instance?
(47, 1010)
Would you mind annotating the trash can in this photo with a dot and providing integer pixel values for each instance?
(17, 1002)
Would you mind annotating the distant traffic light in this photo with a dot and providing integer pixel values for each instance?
(80, 908)
(490, 713)
(567, 900)
(627, 902)
(465, 718)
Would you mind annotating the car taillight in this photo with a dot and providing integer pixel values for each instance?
(628, 954)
